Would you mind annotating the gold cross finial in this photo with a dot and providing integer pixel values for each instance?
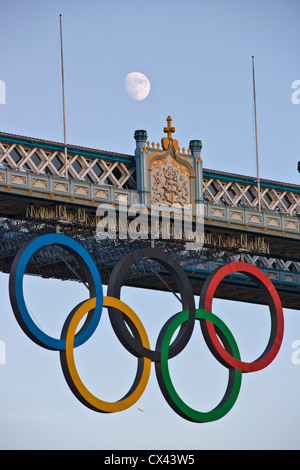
(166, 142)
(170, 130)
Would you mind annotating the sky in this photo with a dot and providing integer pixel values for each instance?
(197, 56)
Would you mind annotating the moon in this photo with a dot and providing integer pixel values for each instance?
(137, 85)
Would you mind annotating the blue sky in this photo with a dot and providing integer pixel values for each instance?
(197, 56)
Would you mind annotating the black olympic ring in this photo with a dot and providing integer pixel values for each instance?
(187, 297)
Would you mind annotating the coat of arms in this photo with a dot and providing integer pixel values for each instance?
(169, 183)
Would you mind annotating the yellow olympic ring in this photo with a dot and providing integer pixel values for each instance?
(74, 380)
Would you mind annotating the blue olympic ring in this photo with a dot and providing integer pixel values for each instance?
(17, 295)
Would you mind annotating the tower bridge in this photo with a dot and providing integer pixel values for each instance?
(36, 197)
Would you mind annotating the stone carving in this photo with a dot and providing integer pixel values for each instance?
(169, 183)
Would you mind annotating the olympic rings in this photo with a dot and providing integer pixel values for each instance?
(163, 375)
(185, 290)
(17, 296)
(131, 332)
(276, 312)
(70, 371)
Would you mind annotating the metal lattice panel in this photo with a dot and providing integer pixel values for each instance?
(41, 161)
(238, 194)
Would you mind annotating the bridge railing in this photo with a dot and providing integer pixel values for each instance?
(240, 191)
(48, 158)
(27, 155)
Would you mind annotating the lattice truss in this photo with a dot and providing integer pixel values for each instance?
(246, 195)
(267, 262)
(41, 161)
(57, 263)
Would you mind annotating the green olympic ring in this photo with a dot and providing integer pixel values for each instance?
(163, 373)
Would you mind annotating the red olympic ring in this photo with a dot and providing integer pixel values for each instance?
(277, 320)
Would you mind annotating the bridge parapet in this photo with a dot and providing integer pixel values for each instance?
(239, 191)
(42, 157)
(157, 173)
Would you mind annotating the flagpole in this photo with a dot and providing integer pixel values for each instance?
(63, 94)
(257, 161)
